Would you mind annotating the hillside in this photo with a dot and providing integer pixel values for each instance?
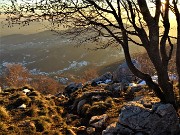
(79, 110)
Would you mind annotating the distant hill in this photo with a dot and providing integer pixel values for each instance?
(55, 54)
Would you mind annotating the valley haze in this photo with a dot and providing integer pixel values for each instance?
(44, 52)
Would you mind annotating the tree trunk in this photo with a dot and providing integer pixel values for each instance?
(178, 53)
(143, 76)
(163, 79)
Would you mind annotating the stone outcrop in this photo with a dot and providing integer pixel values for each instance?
(123, 73)
(98, 121)
(134, 118)
(72, 87)
(105, 78)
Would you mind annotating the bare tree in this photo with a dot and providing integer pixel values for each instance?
(177, 14)
(126, 22)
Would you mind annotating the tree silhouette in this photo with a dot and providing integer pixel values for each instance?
(143, 23)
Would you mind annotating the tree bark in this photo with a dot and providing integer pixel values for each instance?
(178, 52)
(143, 76)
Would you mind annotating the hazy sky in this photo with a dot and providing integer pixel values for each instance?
(41, 26)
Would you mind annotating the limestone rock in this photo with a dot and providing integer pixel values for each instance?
(105, 78)
(123, 73)
(23, 106)
(98, 121)
(26, 91)
(90, 130)
(117, 129)
(72, 87)
(80, 105)
(115, 87)
(161, 119)
(136, 118)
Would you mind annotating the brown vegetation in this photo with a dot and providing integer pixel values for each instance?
(15, 75)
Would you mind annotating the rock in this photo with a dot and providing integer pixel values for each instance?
(144, 116)
(23, 106)
(26, 91)
(71, 117)
(80, 105)
(105, 78)
(160, 119)
(96, 98)
(88, 95)
(115, 87)
(72, 87)
(90, 130)
(123, 73)
(98, 121)
(117, 129)
(147, 101)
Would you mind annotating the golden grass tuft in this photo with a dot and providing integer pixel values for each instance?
(3, 127)
(4, 115)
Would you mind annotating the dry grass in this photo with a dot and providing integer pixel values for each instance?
(4, 115)
(3, 127)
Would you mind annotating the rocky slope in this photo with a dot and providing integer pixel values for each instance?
(109, 105)
(85, 109)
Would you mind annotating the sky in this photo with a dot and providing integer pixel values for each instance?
(38, 27)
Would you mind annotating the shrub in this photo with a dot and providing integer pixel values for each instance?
(15, 75)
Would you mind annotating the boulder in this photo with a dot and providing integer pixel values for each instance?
(117, 129)
(98, 121)
(90, 130)
(26, 91)
(123, 73)
(105, 78)
(115, 87)
(23, 106)
(160, 119)
(72, 87)
(80, 105)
